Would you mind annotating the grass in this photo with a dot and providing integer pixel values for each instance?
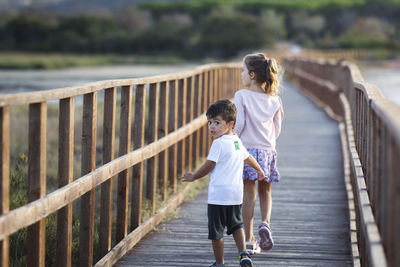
(23, 61)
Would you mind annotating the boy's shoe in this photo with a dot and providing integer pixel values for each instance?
(253, 247)
(217, 265)
(245, 262)
(266, 241)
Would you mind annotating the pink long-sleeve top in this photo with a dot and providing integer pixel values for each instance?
(259, 119)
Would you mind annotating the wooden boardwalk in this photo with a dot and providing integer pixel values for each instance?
(310, 215)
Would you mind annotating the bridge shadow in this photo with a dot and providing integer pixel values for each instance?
(310, 221)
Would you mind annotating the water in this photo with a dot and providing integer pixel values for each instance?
(18, 81)
(387, 79)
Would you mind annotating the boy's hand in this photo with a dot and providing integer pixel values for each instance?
(261, 175)
(188, 177)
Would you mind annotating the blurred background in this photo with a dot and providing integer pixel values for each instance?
(193, 30)
(57, 34)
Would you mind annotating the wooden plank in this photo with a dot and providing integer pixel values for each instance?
(124, 148)
(110, 98)
(4, 178)
(134, 237)
(172, 126)
(37, 179)
(33, 212)
(182, 91)
(65, 176)
(151, 186)
(138, 142)
(163, 131)
(189, 118)
(89, 129)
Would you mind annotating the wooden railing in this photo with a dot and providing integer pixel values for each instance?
(371, 151)
(166, 123)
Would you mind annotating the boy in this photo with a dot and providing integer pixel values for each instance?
(225, 191)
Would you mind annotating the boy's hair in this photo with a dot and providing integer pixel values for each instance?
(266, 71)
(224, 108)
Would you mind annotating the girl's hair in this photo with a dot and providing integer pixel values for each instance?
(265, 70)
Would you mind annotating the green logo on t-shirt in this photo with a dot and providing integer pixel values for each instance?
(237, 145)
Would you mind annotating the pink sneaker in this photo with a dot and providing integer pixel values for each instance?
(253, 247)
(266, 241)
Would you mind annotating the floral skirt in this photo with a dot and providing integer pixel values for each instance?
(267, 160)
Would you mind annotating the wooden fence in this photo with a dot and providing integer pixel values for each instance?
(162, 133)
(372, 146)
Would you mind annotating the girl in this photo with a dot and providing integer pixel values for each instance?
(259, 117)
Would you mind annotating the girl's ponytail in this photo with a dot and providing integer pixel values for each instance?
(266, 71)
(272, 83)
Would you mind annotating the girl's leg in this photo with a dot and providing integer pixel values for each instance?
(264, 192)
(218, 247)
(249, 200)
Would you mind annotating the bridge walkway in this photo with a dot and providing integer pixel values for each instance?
(310, 212)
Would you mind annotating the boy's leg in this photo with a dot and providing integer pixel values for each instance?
(218, 247)
(238, 236)
(249, 200)
(216, 225)
(244, 256)
(264, 192)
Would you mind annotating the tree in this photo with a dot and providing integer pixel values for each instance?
(226, 34)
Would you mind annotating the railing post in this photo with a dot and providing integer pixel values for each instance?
(89, 129)
(197, 112)
(124, 148)
(65, 176)
(217, 79)
(172, 126)
(151, 187)
(181, 122)
(37, 180)
(205, 101)
(110, 96)
(4, 178)
(189, 118)
(137, 170)
(163, 131)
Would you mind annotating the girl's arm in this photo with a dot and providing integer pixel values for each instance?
(278, 117)
(239, 125)
(205, 169)
(251, 161)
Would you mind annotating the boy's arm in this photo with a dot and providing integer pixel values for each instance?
(251, 161)
(205, 169)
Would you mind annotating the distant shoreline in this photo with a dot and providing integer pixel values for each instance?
(52, 61)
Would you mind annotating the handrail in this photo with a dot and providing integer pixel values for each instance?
(77, 90)
(373, 136)
(168, 131)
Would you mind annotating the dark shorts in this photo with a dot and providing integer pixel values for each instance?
(221, 216)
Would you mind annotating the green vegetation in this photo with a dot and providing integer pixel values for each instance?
(31, 60)
(197, 29)
(52, 61)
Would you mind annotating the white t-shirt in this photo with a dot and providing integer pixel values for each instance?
(226, 183)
